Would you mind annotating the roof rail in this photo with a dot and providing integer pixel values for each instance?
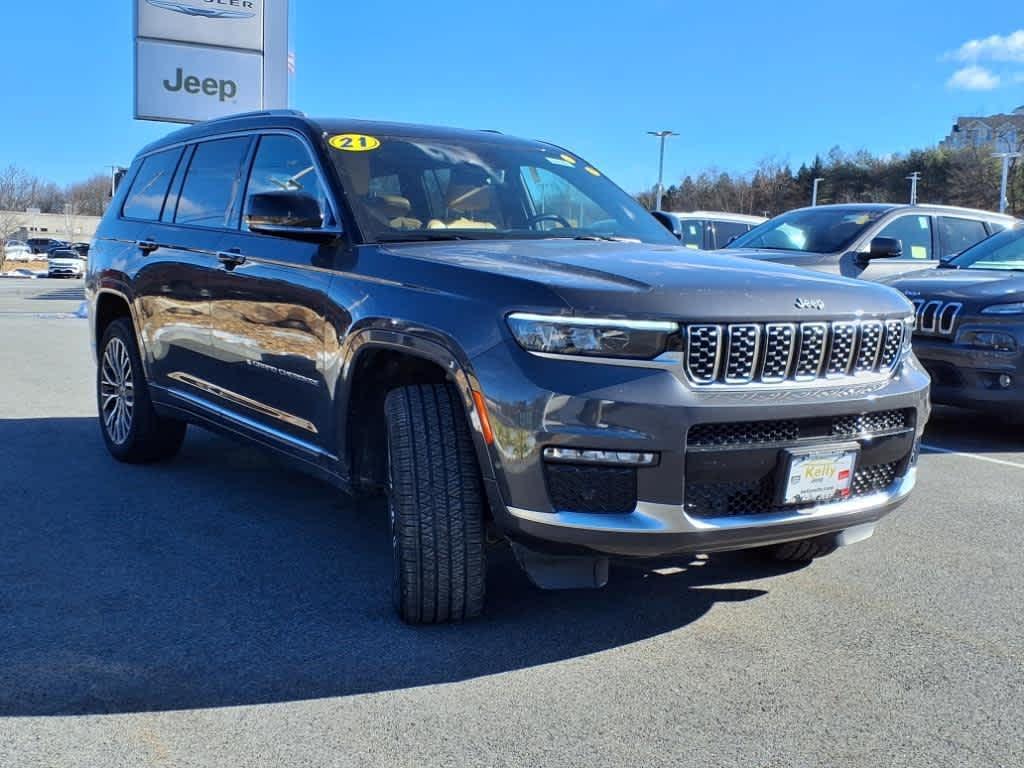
(260, 113)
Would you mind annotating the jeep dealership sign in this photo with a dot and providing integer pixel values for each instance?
(200, 59)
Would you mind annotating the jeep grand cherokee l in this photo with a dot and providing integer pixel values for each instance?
(970, 325)
(498, 337)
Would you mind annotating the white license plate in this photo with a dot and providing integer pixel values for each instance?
(821, 475)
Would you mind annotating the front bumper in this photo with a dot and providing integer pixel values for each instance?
(969, 377)
(534, 403)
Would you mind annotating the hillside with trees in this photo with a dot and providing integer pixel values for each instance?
(968, 177)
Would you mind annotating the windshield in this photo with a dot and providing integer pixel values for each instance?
(407, 189)
(815, 230)
(1001, 251)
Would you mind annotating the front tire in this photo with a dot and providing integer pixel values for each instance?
(435, 506)
(131, 428)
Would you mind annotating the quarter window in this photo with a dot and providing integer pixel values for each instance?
(146, 198)
(959, 234)
(212, 183)
(283, 164)
(915, 232)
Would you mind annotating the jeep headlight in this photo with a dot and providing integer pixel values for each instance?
(594, 336)
(1016, 308)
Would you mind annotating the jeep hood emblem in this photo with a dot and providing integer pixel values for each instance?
(208, 13)
(802, 303)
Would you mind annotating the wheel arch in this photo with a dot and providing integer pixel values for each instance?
(377, 361)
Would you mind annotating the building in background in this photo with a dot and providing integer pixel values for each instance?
(999, 133)
(74, 228)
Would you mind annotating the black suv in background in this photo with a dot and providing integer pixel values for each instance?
(970, 325)
(869, 241)
(493, 333)
(45, 244)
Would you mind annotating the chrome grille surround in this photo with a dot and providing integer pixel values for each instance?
(742, 356)
(935, 317)
(780, 353)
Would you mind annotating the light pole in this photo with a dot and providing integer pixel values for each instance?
(914, 178)
(814, 192)
(661, 165)
(1006, 157)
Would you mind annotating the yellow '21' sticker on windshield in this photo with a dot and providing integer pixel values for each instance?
(354, 142)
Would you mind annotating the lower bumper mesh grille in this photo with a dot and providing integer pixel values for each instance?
(597, 490)
(758, 497)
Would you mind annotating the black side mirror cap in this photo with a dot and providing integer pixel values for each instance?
(885, 248)
(671, 223)
(287, 214)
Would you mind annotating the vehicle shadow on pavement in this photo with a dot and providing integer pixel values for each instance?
(974, 432)
(222, 578)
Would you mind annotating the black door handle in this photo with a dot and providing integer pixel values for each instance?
(147, 246)
(231, 258)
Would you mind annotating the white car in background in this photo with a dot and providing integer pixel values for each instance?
(65, 263)
(16, 250)
(707, 230)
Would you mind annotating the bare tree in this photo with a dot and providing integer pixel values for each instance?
(90, 197)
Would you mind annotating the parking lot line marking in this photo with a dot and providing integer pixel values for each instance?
(989, 459)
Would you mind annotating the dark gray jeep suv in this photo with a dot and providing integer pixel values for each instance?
(498, 337)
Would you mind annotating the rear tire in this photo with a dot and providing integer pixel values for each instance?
(435, 506)
(131, 428)
(803, 551)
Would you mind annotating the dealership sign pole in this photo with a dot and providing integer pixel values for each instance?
(200, 59)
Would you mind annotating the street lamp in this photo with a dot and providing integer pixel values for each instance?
(661, 165)
(814, 192)
(1006, 158)
(913, 179)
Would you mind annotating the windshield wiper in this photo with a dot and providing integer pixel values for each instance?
(604, 238)
(424, 237)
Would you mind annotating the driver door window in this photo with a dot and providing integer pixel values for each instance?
(915, 232)
(283, 164)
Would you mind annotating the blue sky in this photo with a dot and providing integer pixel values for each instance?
(741, 81)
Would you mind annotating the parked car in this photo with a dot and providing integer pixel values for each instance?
(16, 250)
(707, 230)
(498, 337)
(969, 333)
(42, 245)
(869, 241)
(65, 263)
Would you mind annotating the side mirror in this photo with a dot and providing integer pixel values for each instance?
(671, 223)
(885, 248)
(287, 214)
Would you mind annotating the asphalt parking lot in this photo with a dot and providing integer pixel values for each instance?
(223, 610)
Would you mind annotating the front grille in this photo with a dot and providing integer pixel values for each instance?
(598, 490)
(774, 353)
(757, 497)
(936, 318)
(747, 433)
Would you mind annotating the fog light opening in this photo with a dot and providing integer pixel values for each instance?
(610, 458)
(1005, 380)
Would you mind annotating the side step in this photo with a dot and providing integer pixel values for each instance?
(560, 571)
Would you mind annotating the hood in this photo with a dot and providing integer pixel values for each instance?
(64, 261)
(968, 286)
(671, 282)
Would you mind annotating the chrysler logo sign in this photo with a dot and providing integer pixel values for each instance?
(209, 9)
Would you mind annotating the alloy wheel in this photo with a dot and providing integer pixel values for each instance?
(117, 391)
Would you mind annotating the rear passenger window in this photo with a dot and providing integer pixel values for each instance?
(693, 233)
(212, 184)
(915, 232)
(959, 234)
(146, 198)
